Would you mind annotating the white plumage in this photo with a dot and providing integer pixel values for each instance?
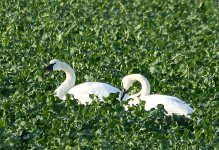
(172, 105)
(82, 91)
(101, 90)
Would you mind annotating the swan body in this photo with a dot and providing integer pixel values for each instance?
(82, 91)
(172, 105)
(101, 90)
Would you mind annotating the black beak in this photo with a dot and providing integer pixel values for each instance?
(123, 93)
(49, 68)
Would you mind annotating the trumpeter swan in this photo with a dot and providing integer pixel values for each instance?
(82, 91)
(172, 105)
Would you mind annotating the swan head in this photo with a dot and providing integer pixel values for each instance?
(54, 64)
(127, 82)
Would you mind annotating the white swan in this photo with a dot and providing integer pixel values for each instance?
(82, 91)
(171, 104)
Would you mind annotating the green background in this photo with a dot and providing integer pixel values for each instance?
(175, 44)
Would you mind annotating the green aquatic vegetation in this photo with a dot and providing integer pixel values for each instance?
(172, 43)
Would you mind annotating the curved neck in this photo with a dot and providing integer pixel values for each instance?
(68, 83)
(145, 86)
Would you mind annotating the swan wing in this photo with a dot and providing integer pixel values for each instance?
(172, 105)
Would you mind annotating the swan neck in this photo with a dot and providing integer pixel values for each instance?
(68, 83)
(145, 86)
(70, 74)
